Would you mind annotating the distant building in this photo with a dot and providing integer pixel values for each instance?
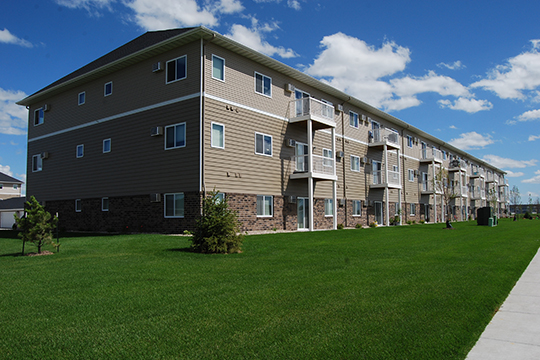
(8, 208)
(9, 187)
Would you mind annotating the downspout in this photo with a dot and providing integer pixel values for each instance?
(202, 188)
(343, 164)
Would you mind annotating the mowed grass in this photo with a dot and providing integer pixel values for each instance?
(411, 292)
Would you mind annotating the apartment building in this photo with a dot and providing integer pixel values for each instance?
(9, 187)
(133, 141)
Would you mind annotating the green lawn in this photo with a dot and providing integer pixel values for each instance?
(411, 292)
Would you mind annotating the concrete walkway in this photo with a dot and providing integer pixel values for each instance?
(514, 331)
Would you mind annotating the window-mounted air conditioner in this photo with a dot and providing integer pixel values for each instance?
(364, 160)
(290, 88)
(157, 131)
(157, 67)
(415, 172)
(291, 143)
(341, 202)
(45, 155)
(340, 107)
(364, 117)
(155, 197)
(292, 199)
(340, 154)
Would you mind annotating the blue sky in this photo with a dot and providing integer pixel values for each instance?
(467, 72)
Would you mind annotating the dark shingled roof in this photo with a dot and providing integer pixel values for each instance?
(7, 178)
(13, 203)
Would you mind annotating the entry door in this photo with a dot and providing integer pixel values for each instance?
(375, 126)
(426, 212)
(303, 213)
(377, 172)
(302, 107)
(301, 153)
(425, 181)
(378, 212)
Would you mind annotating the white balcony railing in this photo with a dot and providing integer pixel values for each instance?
(476, 171)
(464, 190)
(321, 164)
(384, 135)
(490, 177)
(310, 107)
(393, 178)
(432, 154)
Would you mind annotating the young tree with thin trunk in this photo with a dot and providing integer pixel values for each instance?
(444, 186)
(36, 225)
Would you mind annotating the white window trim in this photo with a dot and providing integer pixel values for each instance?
(167, 70)
(272, 206)
(219, 57)
(412, 141)
(79, 98)
(38, 111)
(105, 89)
(331, 207)
(412, 207)
(78, 201)
(359, 202)
(77, 151)
(271, 146)
(102, 202)
(355, 157)
(110, 146)
(185, 136)
(212, 135)
(255, 84)
(357, 120)
(165, 206)
(40, 161)
(410, 171)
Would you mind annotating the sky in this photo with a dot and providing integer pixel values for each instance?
(467, 72)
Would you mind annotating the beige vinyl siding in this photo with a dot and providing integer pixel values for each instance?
(134, 87)
(137, 163)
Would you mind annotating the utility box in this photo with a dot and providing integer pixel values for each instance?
(484, 216)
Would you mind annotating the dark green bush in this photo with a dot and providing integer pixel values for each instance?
(340, 226)
(358, 226)
(218, 229)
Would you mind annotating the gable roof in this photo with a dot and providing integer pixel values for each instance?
(16, 203)
(8, 179)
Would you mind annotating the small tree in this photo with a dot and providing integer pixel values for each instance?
(515, 197)
(492, 199)
(444, 186)
(37, 224)
(218, 229)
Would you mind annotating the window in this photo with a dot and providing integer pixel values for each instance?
(1, 186)
(108, 89)
(39, 116)
(409, 141)
(37, 163)
(411, 175)
(218, 68)
(353, 119)
(175, 136)
(106, 146)
(82, 98)
(78, 207)
(263, 144)
(355, 163)
(174, 205)
(80, 151)
(105, 204)
(328, 159)
(177, 69)
(263, 84)
(413, 209)
(15, 186)
(328, 207)
(395, 172)
(218, 135)
(357, 208)
(444, 155)
(265, 206)
(220, 197)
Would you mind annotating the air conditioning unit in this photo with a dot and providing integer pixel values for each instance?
(340, 107)
(46, 107)
(292, 199)
(364, 160)
(340, 154)
(291, 143)
(341, 202)
(155, 197)
(45, 155)
(290, 88)
(157, 67)
(156, 131)
(415, 172)
(364, 117)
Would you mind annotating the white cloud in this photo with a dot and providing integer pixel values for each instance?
(452, 127)
(467, 105)
(505, 163)
(6, 169)
(455, 66)
(294, 4)
(471, 140)
(228, 6)
(518, 74)
(92, 6)
(253, 38)
(530, 115)
(13, 118)
(9, 38)
(534, 179)
(534, 137)
(514, 174)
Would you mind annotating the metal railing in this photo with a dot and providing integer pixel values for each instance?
(382, 135)
(321, 164)
(310, 106)
(429, 154)
(393, 178)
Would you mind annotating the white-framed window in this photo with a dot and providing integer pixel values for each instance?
(443, 154)
(107, 89)
(175, 136)
(263, 84)
(409, 141)
(220, 197)
(176, 69)
(15, 186)
(411, 175)
(174, 205)
(328, 207)
(82, 97)
(265, 206)
(37, 163)
(412, 209)
(78, 207)
(355, 163)
(357, 207)
(328, 159)
(353, 119)
(395, 172)
(218, 135)
(39, 116)
(218, 68)
(1, 186)
(105, 204)
(106, 146)
(80, 151)
(263, 144)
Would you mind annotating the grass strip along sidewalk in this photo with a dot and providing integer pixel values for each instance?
(410, 292)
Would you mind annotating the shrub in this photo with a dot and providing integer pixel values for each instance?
(358, 226)
(409, 222)
(218, 229)
(527, 216)
(340, 226)
(422, 221)
(373, 224)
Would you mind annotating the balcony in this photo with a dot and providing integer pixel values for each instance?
(464, 191)
(457, 165)
(323, 168)
(322, 114)
(490, 177)
(431, 155)
(380, 183)
(381, 137)
(476, 172)
(504, 182)
(478, 195)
